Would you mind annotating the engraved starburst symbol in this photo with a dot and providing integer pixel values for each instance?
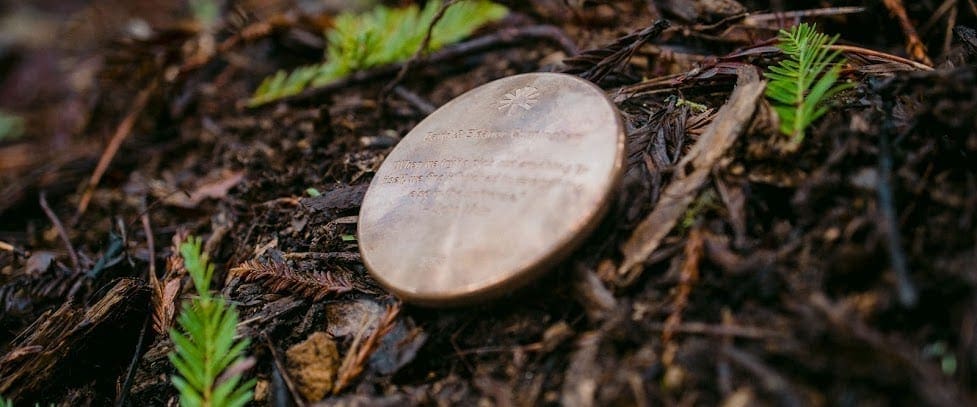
(525, 97)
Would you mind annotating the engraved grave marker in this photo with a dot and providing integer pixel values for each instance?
(492, 189)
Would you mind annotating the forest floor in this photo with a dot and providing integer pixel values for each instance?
(838, 271)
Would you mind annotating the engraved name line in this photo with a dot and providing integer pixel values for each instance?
(537, 165)
(485, 178)
(472, 208)
(502, 196)
(485, 134)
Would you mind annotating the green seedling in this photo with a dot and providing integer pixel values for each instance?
(801, 83)
(380, 37)
(204, 346)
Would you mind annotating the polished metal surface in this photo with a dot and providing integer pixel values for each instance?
(492, 189)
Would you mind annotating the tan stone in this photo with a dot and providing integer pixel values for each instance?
(312, 364)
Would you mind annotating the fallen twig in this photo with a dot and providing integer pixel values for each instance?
(121, 133)
(951, 21)
(425, 43)
(590, 292)
(889, 223)
(699, 328)
(723, 370)
(120, 398)
(341, 256)
(936, 15)
(7, 247)
(151, 246)
(61, 231)
(851, 49)
(914, 46)
(759, 20)
(688, 277)
(415, 100)
(359, 352)
(771, 380)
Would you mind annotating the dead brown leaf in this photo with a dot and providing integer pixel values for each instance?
(212, 189)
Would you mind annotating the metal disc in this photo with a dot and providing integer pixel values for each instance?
(491, 189)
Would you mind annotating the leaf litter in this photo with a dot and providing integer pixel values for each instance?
(775, 277)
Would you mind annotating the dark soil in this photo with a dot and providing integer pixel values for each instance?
(839, 272)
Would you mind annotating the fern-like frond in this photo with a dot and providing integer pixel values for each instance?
(800, 84)
(204, 346)
(279, 277)
(198, 265)
(379, 37)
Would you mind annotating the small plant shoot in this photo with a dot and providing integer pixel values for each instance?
(801, 84)
(204, 346)
(379, 37)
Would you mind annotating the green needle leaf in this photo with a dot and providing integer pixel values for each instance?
(800, 84)
(379, 37)
(204, 345)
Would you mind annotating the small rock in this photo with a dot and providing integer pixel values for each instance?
(261, 390)
(740, 398)
(866, 178)
(39, 262)
(312, 363)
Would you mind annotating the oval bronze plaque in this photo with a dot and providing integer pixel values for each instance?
(491, 189)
